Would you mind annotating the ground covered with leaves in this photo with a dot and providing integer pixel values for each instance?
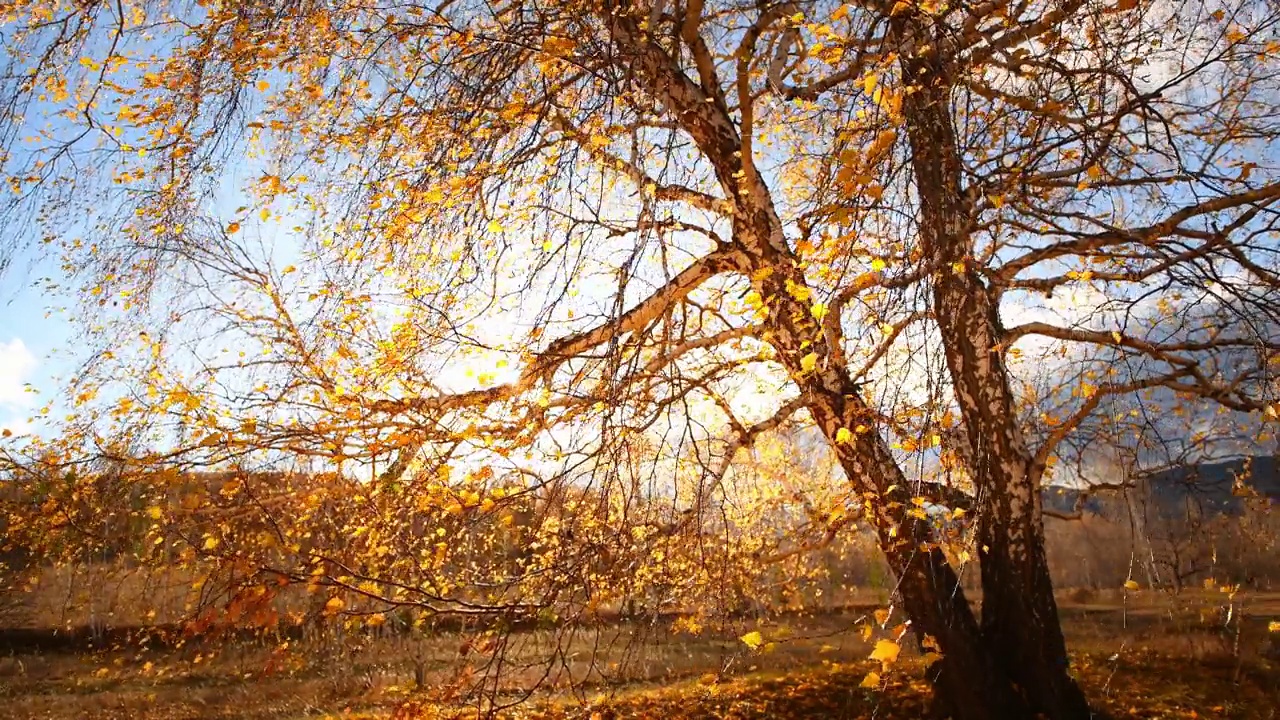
(1156, 659)
(1143, 685)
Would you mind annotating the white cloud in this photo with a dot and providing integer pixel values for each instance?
(15, 426)
(16, 365)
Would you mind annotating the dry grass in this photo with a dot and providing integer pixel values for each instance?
(1144, 649)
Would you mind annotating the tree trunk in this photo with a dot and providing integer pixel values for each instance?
(968, 683)
(1019, 614)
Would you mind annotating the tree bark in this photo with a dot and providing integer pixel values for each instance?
(1020, 621)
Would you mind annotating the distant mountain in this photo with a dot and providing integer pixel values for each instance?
(1213, 488)
(1221, 487)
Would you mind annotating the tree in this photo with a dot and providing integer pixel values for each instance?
(630, 210)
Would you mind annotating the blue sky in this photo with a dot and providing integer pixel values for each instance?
(30, 333)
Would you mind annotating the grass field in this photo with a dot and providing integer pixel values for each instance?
(1141, 655)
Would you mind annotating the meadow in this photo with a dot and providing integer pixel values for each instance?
(1145, 654)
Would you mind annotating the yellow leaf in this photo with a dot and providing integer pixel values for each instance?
(809, 362)
(886, 651)
(1130, 584)
(869, 83)
(1273, 626)
(334, 605)
(289, 269)
(753, 639)
(799, 292)
(155, 512)
(872, 680)
(818, 310)
(233, 228)
(210, 542)
(558, 46)
(263, 85)
(878, 265)
(843, 435)
(495, 226)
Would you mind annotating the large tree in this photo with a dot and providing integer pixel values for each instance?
(666, 228)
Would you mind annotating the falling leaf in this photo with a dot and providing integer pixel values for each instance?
(886, 651)
(872, 680)
(753, 639)
(1131, 584)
